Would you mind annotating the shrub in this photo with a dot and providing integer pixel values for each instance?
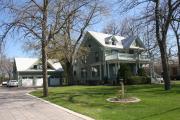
(141, 72)
(124, 73)
(134, 80)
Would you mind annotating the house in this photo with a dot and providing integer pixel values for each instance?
(174, 69)
(106, 54)
(28, 71)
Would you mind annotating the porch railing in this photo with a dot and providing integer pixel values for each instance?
(126, 56)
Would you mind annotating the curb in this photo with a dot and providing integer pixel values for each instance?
(62, 108)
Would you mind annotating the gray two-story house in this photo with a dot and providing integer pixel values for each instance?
(106, 54)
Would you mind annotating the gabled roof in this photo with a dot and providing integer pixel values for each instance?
(121, 43)
(128, 42)
(24, 64)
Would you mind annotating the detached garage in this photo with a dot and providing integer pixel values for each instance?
(28, 71)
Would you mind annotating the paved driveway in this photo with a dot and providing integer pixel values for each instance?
(16, 105)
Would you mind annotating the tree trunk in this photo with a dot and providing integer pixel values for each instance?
(69, 73)
(44, 49)
(178, 45)
(44, 71)
(161, 39)
(165, 66)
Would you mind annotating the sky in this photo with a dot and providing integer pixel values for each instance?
(14, 46)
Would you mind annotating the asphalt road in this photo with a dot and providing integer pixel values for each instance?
(15, 104)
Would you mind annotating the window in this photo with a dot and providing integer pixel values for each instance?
(113, 41)
(96, 56)
(107, 42)
(84, 59)
(95, 71)
(74, 73)
(75, 61)
(114, 51)
(37, 67)
(131, 51)
(83, 73)
(89, 45)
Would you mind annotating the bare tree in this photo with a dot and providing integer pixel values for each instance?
(66, 45)
(38, 21)
(161, 14)
(176, 29)
(112, 28)
(6, 66)
(127, 27)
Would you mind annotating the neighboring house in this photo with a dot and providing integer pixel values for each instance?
(174, 69)
(105, 56)
(28, 71)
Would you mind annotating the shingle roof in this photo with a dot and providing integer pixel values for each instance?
(23, 64)
(122, 42)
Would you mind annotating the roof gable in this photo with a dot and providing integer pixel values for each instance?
(102, 38)
(25, 64)
(137, 43)
(119, 42)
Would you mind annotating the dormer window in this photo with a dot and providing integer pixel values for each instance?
(110, 40)
(39, 67)
(35, 67)
(106, 42)
(113, 41)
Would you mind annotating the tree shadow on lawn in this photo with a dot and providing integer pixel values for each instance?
(84, 98)
(154, 89)
(159, 113)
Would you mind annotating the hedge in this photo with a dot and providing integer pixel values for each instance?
(134, 80)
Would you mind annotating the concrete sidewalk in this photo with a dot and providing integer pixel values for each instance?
(17, 105)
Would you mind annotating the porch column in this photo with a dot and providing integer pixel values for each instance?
(136, 68)
(105, 71)
(118, 65)
(116, 68)
(100, 75)
(108, 70)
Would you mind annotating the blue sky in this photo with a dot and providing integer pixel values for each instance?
(14, 46)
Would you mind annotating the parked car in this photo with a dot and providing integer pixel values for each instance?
(12, 83)
(4, 83)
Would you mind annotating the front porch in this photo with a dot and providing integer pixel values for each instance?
(126, 57)
(113, 63)
(111, 69)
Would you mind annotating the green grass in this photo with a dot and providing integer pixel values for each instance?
(156, 103)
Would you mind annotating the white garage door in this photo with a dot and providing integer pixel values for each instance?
(38, 81)
(27, 82)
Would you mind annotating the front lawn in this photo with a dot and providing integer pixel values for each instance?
(156, 103)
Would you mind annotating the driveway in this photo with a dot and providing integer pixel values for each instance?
(16, 105)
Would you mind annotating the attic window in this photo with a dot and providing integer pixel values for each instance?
(35, 66)
(113, 41)
(107, 42)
